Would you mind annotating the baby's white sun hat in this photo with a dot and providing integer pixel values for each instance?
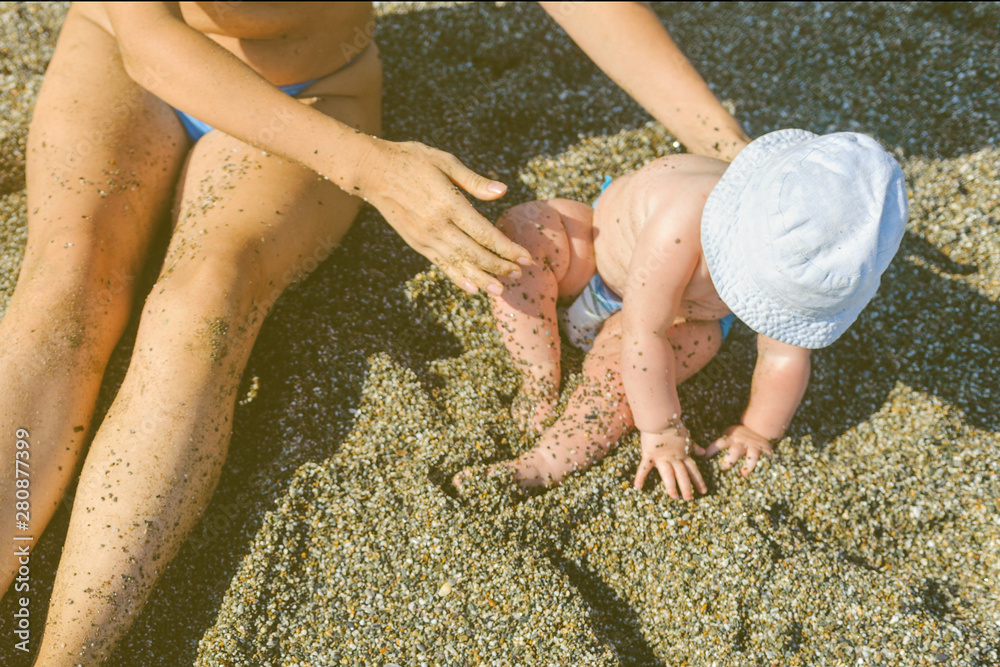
(799, 230)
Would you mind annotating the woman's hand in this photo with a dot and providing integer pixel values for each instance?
(741, 441)
(670, 453)
(416, 188)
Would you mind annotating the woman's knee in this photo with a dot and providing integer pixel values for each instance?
(206, 313)
(216, 285)
(81, 309)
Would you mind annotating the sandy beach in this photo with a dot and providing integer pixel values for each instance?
(335, 537)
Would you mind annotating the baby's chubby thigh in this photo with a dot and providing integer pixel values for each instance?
(559, 235)
(695, 343)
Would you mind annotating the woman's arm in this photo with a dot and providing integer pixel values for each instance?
(410, 184)
(629, 43)
(194, 74)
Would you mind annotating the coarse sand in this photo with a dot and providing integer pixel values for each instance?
(873, 538)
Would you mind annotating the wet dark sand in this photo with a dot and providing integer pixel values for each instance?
(334, 537)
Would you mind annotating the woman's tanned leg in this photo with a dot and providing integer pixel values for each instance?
(247, 225)
(103, 157)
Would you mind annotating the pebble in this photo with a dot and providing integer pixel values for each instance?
(335, 537)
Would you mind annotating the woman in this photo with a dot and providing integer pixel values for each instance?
(120, 141)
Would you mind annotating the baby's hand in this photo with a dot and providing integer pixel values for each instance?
(670, 453)
(741, 441)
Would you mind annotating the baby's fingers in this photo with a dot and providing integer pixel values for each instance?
(685, 475)
(719, 445)
(696, 477)
(753, 456)
(672, 482)
(750, 463)
(733, 457)
(640, 475)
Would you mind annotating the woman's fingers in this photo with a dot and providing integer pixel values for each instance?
(466, 250)
(504, 255)
(473, 224)
(451, 253)
(486, 245)
(481, 279)
(476, 185)
(469, 254)
(470, 270)
(417, 189)
(453, 272)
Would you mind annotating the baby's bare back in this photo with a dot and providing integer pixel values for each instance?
(647, 224)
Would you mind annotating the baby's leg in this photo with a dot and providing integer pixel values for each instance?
(695, 343)
(598, 414)
(559, 236)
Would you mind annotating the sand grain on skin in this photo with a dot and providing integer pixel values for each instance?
(334, 537)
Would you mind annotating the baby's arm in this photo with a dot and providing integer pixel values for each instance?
(779, 381)
(658, 274)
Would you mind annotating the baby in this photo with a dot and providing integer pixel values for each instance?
(792, 238)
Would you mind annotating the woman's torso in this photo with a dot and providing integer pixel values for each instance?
(285, 42)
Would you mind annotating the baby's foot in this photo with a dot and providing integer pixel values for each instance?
(534, 406)
(551, 462)
(540, 468)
